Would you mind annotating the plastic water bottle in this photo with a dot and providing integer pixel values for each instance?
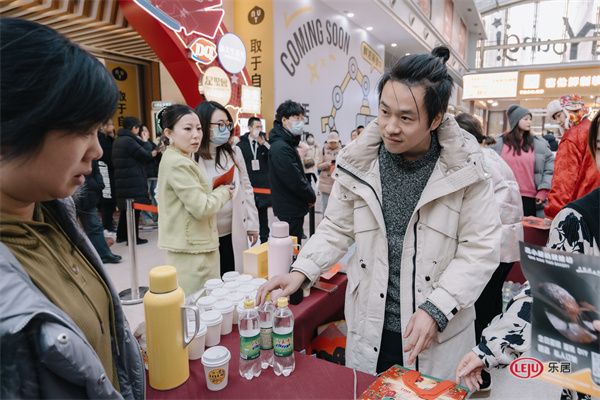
(283, 339)
(249, 341)
(265, 316)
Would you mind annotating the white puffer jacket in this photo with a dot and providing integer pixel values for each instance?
(451, 247)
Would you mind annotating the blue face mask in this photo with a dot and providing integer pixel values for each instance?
(219, 135)
(297, 128)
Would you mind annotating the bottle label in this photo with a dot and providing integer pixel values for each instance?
(266, 338)
(250, 347)
(283, 345)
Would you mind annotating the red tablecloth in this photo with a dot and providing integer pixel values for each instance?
(533, 236)
(317, 309)
(313, 378)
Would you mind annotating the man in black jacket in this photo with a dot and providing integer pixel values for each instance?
(255, 149)
(291, 192)
(86, 202)
(130, 155)
(108, 201)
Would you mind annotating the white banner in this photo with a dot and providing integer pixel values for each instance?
(328, 64)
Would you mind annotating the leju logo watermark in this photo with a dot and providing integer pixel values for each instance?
(530, 368)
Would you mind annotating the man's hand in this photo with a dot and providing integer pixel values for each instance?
(469, 369)
(420, 332)
(260, 140)
(253, 237)
(288, 283)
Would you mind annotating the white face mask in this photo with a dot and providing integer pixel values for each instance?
(297, 128)
(310, 141)
(219, 136)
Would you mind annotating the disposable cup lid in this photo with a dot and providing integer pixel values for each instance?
(219, 293)
(236, 297)
(231, 286)
(246, 289)
(245, 278)
(215, 356)
(211, 318)
(206, 301)
(230, 276)
(213, 283)
(224, 306)
(257, 282)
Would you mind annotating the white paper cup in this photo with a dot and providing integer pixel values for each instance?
(257, 282)
(244, 278)
(220, 293)
(213, 320)
(212, 284)
(216, 367)
(236, 298)
(230, 276)
(205, 303)
(226, 308)
(196, 347)
(232, 286)
(247, 290)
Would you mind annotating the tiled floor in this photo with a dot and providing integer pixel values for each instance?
(504, 386)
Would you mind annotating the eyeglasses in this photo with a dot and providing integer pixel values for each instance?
(222, 125)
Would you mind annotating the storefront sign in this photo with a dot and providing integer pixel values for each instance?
(126, 78)
(250, 99)
(370, 55)
(232, 53)
(216, 85)
(557, 82)
(490, 86)
(203, 51)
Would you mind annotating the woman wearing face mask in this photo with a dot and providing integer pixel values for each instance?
(326, 164)
(187, 202)
(237, 222)
(310, 158)
(529, 156)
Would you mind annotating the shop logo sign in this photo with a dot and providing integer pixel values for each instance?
(203, 51)
(526, 368)
(256, 15)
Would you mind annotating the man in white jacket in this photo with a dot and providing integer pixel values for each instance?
(413, 193)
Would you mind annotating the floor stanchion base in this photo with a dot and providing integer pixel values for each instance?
(126, 299)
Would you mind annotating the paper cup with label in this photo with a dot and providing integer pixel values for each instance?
(213, 320)
(216, 367)
(225, 307)
(244, 278)
(212, 284)
(205, 303)
(220, 293)
(196, 347)
(230, 276)
(236, 298)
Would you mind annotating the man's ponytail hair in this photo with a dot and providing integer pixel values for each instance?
(428, 70)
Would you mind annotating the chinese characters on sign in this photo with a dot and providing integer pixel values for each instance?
(583, 81)
(255, 50)
(371, 56)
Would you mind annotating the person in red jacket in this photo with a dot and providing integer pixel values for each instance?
(575, 172)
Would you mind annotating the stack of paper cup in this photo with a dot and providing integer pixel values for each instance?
(225, 307)
(212, 284)
(232, 286)
(245, 278)
(213, 320)
(247, 290)
(220, 293)
(216, 367)
(230, 276)
(196, 347)
(236, 298)
(205, 303)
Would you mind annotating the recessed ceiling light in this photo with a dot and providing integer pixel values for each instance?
(393, 44)
(490, 101)
(407, 54)
(369, 28)
(349, 14)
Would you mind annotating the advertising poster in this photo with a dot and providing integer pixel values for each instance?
(328, 64)
(565, 317)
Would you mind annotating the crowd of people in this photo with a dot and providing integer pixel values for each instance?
(430, 256)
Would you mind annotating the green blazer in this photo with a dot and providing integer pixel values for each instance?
(187, 205)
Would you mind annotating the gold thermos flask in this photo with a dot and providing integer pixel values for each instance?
(166, 329)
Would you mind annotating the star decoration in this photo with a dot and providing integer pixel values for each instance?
(234, 79)
(314, 74)
(497, 22)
